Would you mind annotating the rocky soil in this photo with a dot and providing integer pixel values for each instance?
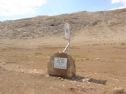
(104, 23)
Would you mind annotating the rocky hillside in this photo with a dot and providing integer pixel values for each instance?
(113, 22)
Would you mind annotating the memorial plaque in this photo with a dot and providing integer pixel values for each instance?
(60, 63)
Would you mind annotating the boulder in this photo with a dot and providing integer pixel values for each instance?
(62, 65)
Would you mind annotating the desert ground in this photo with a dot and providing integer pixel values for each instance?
(23, 67)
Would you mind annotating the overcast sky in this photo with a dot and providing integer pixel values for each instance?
(17, 9)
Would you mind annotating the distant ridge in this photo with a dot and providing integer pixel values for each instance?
(111, 22)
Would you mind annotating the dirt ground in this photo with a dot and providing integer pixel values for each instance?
(23, 70)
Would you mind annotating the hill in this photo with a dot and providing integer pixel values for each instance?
(102, 24)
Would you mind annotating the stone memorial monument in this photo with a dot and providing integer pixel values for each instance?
(61, 64)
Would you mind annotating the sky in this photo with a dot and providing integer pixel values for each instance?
(17, 9)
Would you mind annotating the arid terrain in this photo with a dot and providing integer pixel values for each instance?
(98, 46)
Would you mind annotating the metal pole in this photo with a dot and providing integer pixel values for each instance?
(66, 47)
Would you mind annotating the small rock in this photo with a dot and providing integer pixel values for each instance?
(97, 58)
(60, 78)
(47, 75)
(119, 90)
(97, 81)
(85, 80)
(78, 85)
(73, 81)
(73, 89)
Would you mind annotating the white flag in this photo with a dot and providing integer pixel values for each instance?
(67, 31)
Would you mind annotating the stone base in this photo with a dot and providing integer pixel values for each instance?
(69, 71)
